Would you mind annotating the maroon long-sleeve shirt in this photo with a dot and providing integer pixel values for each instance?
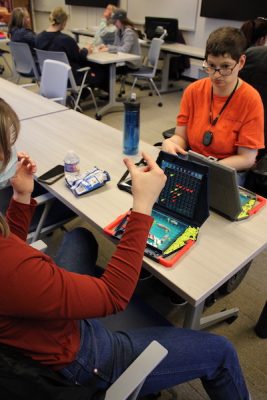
(41, 304)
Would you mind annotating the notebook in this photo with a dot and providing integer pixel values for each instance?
(225, 196)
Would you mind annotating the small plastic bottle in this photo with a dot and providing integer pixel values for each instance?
(131, 126)
(71, 164)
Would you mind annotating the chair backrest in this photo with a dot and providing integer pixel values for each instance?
(54, 80)
(23, 60)
(43, 55)
(154, 52)
(61, 56)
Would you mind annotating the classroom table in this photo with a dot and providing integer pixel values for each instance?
(170, 50)
(26, 103)
(82, 32)
(111, 59)
(222, 249)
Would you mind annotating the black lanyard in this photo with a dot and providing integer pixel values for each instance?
(214, 121)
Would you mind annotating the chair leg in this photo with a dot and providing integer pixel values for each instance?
(156, 90)
(122, 87)
(93, 98)
(133, 85)
(80, 91)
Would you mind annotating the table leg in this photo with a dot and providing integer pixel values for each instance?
(76, 36)
(165, 73)
(112, 105)
(194, 320)
(164, 88)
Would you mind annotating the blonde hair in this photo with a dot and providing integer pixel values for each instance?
(113, 8)
(58, 16)
(9, 130)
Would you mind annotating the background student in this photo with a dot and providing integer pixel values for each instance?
(55, 40)
(126, 41)
(105, 33)
(221, 115)
(255, 69)
(48, 309)
(19, 27)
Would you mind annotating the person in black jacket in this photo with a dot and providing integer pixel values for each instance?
(255, 69)
(19, 27)
(54, 40)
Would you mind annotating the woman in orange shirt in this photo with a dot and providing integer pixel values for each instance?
(221, 115)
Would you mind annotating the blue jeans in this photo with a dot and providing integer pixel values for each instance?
(104, 355)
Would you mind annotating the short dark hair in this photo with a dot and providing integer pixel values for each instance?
(254, 29)
(226, 40)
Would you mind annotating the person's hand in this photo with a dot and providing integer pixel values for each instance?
(90, 48)
(22, 181)
(147, 183)
(173, 146)
(103, 47)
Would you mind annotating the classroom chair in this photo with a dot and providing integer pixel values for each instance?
(149, 72)
(23, 62)
(54, 80)
(74, 88)
(50, 213)
(22, 378)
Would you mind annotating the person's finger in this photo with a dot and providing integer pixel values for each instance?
(151, 163)
(129, 164)
(21, 155)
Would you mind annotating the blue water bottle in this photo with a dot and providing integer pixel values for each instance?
(131, 126)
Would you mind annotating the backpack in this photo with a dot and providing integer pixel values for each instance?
(22, 378)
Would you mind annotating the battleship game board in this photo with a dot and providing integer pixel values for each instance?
(178, 213)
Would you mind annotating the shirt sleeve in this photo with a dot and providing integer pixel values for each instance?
(39, 289)
(124, 45)
(19, 217)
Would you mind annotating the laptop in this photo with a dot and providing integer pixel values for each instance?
(225, 196)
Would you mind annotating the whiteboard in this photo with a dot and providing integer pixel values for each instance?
(184, 10)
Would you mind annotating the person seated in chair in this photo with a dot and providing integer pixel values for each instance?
(221, 115)
(48, 308)
(126, 41)
(19, 27)
(254, 71)
(54, 39)
(105, 32)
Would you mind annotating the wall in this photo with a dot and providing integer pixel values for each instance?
(80, 17)
(204, 26)
(84, 17)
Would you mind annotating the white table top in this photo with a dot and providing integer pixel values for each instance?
(26, 103)
(105, 57)
(223, 247)
(179, 48)
(83, 32)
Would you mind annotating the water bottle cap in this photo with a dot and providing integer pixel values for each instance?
(133, 97)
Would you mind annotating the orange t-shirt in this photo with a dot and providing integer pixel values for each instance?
(240, 125)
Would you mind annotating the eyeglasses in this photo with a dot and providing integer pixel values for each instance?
(224, 71)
